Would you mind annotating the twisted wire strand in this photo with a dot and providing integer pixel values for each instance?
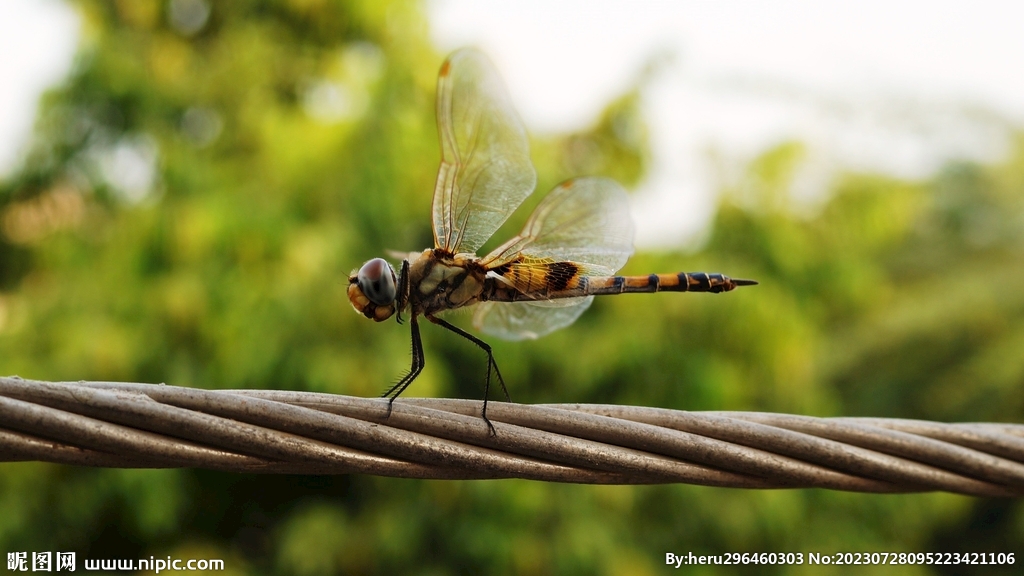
(130, 425)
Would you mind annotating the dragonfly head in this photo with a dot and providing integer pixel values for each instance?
(372, 290)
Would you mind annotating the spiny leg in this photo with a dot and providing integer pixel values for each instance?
(490, 363)
(418, 362)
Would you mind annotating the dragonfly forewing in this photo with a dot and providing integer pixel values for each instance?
(485, 171)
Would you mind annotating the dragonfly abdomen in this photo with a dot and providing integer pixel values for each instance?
(681, 282)
(602, 285)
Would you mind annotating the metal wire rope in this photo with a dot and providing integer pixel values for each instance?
(131, 425)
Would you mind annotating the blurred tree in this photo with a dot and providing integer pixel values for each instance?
(207, 177)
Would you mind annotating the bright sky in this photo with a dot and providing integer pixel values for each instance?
(37, 42)
(898, 86)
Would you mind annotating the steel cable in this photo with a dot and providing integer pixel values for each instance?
(128, 425)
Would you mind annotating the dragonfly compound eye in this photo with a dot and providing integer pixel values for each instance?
(377, 281)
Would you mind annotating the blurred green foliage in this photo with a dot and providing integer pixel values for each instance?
(203, 183)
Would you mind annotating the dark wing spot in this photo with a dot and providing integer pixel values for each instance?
(560, 275)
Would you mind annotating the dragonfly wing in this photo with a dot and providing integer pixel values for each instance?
(581, 227)
(527, 320)
(585, 221)
(485, 171)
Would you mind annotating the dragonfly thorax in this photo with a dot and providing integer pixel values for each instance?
(442, 281)
(373, 288)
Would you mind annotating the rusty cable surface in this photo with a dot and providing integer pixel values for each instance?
(128, 425)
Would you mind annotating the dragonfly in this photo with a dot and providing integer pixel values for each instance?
(542, 279)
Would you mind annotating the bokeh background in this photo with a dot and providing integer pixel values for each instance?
(200, 183)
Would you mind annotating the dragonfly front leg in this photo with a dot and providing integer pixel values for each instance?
(417, 366)
(402, 297)
(490, 364)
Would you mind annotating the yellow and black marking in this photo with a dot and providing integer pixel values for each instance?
(682, 282)
(540, 275)
(564, 280)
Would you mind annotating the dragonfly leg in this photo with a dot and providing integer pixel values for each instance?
(403, 290)
(490, 364)
(417, 366)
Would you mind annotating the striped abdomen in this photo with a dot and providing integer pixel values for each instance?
(601, 285)
(682, 282)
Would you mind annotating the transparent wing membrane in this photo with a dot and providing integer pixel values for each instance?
(583, 221)
(527, 320)
(485, 171)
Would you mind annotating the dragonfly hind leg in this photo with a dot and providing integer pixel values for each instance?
(490, 364)
(418, 362)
